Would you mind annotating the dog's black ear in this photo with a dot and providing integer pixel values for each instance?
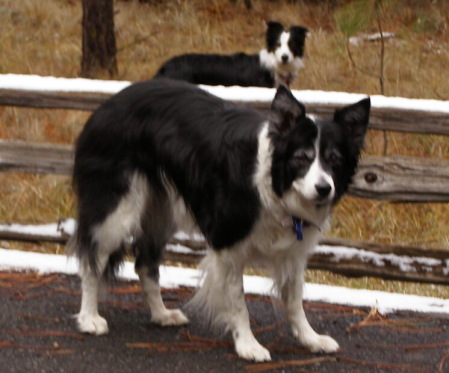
(274, 29)
(286, 110)
(299, 32)
(355, 117)
(274, 26)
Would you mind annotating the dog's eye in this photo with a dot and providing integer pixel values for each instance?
(278, 44)
(301, 159)
(334, 158)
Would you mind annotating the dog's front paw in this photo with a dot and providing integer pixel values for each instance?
(170, 318)
(320, 344)
(252, 350)
(92, 324)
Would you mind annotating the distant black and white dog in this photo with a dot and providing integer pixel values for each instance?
(278, 64)
(163, 155)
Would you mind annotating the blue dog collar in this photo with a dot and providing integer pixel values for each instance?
(297, 227)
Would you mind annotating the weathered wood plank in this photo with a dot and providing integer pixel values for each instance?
(399, 179)
(387, 119)
(402, 179)
(393, 262)
(52, 100)
(401, 120)
(18, 156)
(345, 257)
(356, 259)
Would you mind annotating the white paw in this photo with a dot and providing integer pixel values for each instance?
(92, 324)
(321, 344)
(253, 351)
(170, 318)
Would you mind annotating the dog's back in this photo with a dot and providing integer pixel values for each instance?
(215, 69)
(164, 130)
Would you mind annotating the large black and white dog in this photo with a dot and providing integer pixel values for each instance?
(163, 155)
(277, 64)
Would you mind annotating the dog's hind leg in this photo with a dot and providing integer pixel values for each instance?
(88, 319)
(107, 244)
(156, 229)
(149, 279)
(100, 246)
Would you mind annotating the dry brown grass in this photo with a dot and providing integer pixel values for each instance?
(44, 38)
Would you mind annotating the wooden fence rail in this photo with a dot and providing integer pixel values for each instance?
(346, 257)
(383, 118)
(398, 179)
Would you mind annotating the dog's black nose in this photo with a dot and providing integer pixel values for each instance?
(323, 189)
(284, 58)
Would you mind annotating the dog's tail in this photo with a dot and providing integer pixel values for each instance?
(211, 300)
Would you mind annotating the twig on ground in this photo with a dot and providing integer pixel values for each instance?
(45, 333)
(380, 365)
(197, 338)
(262, 367)
(426, 346)
(268, 327)
(4, 344)
(40, 318)
(442, 362)
(193, 343)
(121, 290)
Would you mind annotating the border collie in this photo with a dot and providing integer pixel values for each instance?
(278, 64)
(163, 155)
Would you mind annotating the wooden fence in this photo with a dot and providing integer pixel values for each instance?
(393, 178)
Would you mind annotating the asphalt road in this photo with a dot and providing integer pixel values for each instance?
(38, 334)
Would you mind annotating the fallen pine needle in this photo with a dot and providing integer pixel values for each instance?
(46, 333)
(4, 344)
(288, 349)
(333, 307)
(268, 327)
(173, 346)
(192, 343)
(197, 338)
(132, 289)
(380, 365)
(40, 318)
(262, 367)
(42, 281)
(62, 352)
(426, 346)
(442, 362)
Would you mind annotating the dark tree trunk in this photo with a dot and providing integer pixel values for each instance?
(98, 46)
(248, 3)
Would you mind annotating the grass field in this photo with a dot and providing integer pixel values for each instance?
(45, 38)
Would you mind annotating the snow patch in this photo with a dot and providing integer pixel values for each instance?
(54, 84)
(173, 277)
(239, 94)
(183, 236)
(56, 230)
(446, 269)
(404, 263)
(356, 40)
(181, 249)
(67, 227)
(35, 230)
